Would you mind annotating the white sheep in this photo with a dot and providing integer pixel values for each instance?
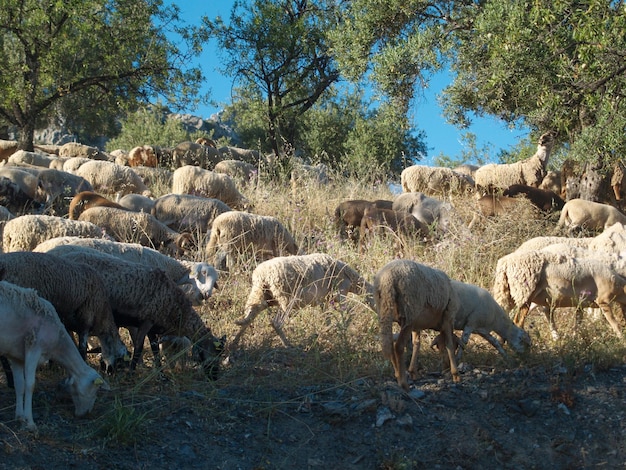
(26, 181)
(61, 184)
(417, 297)
(234, 233)
(236, 153)
(22, 157)
(73, 163)
(137, 227)
(137, 203)
(555, 280)
(184, 212)
(530, 171)
(433, 212)
(14, 200)
(293, 282)
(111, 178)
(191, 153)
(77, 293)
(148, 303)
(479, 313)
(25, 232)
(197, 279)
(589, 215)
(303, 175)
(194, 180)
(243, 172)
(435, 180)
(74, 149)
(31, 334)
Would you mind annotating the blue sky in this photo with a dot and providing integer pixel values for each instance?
(440, 136)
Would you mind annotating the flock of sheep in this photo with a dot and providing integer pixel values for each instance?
(117, 256)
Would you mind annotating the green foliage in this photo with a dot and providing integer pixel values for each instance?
(148, 127)
(123, 424)
(469, 154)
(84, 62)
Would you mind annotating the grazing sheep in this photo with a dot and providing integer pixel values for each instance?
(234, 233)
(26, 181)
(74, 149)
(86, 199)
(184, 212)
(479, 313)
(293, 282)
(197, 279)
(530, 171)
(243, 172)
(199, 182)
(72, 164)
(59, 183)
(109, 178)
(417, 297)
(589, 215)
(147, 302)
(429, 210)
(400, 223)
(244, 155)
(436, 181)
(466, 169)
(494, 206)
(22, 157)
(138, 227)
(554, 280)
(142, 156)
(25, 232)
(31, 334)
(137, 203)
(545, 200)
(77, 293)
(190, 153)
(14, 199)
(348, 215)
(539, 243)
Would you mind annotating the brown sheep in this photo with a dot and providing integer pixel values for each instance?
(86, 199)
(348, 215)
(544, 199)
(142, 156)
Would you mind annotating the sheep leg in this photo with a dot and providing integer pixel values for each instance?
(397, 356)
(7, 371)
(277, 322)
(138, 340)
(549, 313)
(608, 314)
(154, 347)
(416, 345)
(18, 376)
(494, 342)
(520, 315)
(450, 347)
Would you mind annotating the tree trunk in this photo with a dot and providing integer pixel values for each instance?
(27, 136)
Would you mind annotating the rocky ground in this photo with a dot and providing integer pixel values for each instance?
(522, 418)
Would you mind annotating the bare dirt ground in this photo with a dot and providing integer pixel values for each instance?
(532, 416)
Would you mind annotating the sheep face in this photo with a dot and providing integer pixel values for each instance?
(209, 352)
(519, 341)
(83, 391)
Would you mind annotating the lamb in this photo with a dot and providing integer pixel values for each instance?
(142, 156)
(190, 153)
(235, 233)
(146, 301)
(530, 171)
(25, 232)
(109, 178)
(137, 227)
(31, 334)
(348, 215)
(293, 282)
(86, 199)
(554, 280)
(429, 210)
(184, 212)
(199, 182)
(545, 200)
(137, 203)
(197, 279)
(77, 293)
(417, 297)
(400, 223)
(435, 181)
(479, 313)
(243, 172)
(589, 215)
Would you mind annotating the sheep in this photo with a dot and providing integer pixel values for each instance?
(400, 223)
(120, 156)
(530, 171)
(429, 210)
(22, 157)
(147, 302)
(31, 334)
(199, 182)
(74, 149)
(206, 141)
(25, 232)
(7, 148)
(243, 172)
(479, 313)
(14, 199)
(59, 183)
(435, 181)
(466, 169)
(293, 282)
(197, 279)
(234, 233)
(184, 212)
(417, 297)
(27, 182)
(303, 175)
(137, 227)
(142, 156)
(74, 163)
(77, 293)
(494, 206)
(190, 153)
(539, 243)
(552, 182)
(137, 203)
(348, 215)
(108, 177)
(545, 200)
(555, 280)
(244, 155)
(86, 199)
(589, 215)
